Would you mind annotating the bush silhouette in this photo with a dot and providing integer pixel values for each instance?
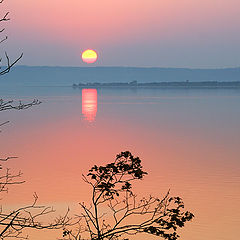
(115, 212)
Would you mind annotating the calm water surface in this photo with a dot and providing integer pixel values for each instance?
(189, 141)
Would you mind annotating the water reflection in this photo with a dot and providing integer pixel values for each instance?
(190, 146)
(89, 104)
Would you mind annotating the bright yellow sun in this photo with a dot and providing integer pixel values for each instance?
(89, 56)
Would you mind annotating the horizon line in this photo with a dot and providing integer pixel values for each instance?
(137, 67)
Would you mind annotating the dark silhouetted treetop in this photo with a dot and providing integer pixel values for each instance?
(116, 177)
(115, 212)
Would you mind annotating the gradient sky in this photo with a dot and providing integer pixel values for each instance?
(172, 33)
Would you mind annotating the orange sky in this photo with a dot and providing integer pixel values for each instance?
(133, 32)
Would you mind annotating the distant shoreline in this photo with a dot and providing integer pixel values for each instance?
(135, 84)
(67, 76)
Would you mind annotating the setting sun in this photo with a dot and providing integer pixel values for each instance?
(89, 56)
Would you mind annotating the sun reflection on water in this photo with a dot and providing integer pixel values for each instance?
(89, 104)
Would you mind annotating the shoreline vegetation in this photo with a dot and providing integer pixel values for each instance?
(135, 84)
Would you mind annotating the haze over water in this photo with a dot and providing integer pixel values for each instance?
(188, 141)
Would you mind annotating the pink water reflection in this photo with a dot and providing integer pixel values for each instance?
(183, 146)
(89, 104)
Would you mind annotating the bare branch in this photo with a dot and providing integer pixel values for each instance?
(28, 217)
(5, 17)
(6, 159)
(14, 222)
(9, 64)
(7, 105)
(4, 39)
(4, 123)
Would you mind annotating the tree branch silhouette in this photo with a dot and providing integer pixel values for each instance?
(30, 216)
(117, 213)
(7, 105)
(9, 63)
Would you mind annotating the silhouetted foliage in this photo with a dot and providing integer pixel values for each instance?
(116, 212)
(116, 177)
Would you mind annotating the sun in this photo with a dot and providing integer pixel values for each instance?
(89, 56)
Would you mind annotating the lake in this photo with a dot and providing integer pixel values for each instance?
(188, 140)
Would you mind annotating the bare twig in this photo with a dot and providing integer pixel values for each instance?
(9, 63)
(4, 39)
(27, 217)
(7, 105)
(5, 17)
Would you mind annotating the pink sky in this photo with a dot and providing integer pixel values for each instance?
(186, 33)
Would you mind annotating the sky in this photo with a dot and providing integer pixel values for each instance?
(141, 33)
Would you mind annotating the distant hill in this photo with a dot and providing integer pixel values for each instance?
(66, 76)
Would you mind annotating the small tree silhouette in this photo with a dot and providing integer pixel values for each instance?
(115, 211)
